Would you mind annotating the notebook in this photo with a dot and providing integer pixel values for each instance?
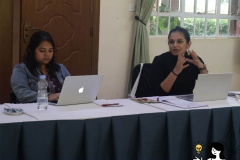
(210, 87)
(79, 89)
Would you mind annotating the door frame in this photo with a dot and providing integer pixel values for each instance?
(17, 34)
(96, 26)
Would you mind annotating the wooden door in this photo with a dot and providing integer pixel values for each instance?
(6, 49)
(70, 22)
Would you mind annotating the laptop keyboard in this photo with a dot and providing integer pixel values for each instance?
(188, 97)
(52, 102)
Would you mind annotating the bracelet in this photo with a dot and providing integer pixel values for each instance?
(202, 69)
(174, 73)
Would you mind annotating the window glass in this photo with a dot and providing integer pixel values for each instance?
(201, 6)
(153, 24)
(199, 26)
(175, 5)
(202, 18)
(163, 5)
(174, 21)
(224, 7)
(188, 25)
(233, 28)
(163, 25)
(211, 27)
(223, 27)
(189, 6)
(155, 6)
(234, 7)
(211, 6)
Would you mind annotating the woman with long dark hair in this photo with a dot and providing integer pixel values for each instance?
(39, 60)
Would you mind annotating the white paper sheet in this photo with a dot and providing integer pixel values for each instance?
(174, 101)
(108, 103)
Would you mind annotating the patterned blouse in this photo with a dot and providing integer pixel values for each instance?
(54, 86)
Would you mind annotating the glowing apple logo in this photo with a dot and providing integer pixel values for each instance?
(81, 90)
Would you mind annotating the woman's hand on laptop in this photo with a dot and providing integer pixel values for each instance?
(53, 97)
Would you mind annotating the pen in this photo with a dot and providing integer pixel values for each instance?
(110, 104)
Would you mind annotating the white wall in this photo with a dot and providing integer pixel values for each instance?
(116, 27)
(220, 55)
(115, 42)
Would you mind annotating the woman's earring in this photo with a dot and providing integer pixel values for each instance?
(188, 52)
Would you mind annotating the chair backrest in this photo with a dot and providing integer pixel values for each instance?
(143, 89)
(13, 98)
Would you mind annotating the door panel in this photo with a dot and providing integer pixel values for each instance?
(70, 23)
(6, 49)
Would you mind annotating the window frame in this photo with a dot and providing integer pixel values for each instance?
(182, 14)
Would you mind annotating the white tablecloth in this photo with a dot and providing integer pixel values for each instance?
(6, 118)
(81, 111)
(91, 110)
(229, 102)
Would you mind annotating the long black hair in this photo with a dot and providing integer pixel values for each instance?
(30, 60)
(218, 146)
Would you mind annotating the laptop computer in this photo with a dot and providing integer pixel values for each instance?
(79, 89)
(210, 87)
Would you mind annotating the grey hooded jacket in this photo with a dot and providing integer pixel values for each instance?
(25, 85)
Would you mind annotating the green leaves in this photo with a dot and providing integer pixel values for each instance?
(163, 8)
(163, 23)
(174, 22)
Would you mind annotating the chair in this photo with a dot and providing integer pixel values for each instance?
(13, 98)
(143, 88)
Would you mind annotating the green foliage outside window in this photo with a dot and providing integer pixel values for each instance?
(163, 8)
(153, 25)
(211, 27)
(189, 24)
(199, 26)
(162, 24)
(223, 26)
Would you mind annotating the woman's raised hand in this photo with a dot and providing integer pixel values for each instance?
(195, 59)
(180, 64)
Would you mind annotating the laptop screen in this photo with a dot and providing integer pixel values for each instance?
(210, 87)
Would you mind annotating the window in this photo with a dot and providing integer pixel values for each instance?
(202, 18)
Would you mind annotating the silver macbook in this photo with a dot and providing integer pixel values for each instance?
(79, 89)
(210, 87)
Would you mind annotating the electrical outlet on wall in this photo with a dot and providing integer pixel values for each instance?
(132, 7)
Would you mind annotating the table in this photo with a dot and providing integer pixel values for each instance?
(134, 131)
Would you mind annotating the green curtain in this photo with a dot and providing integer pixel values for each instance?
(140, 52)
